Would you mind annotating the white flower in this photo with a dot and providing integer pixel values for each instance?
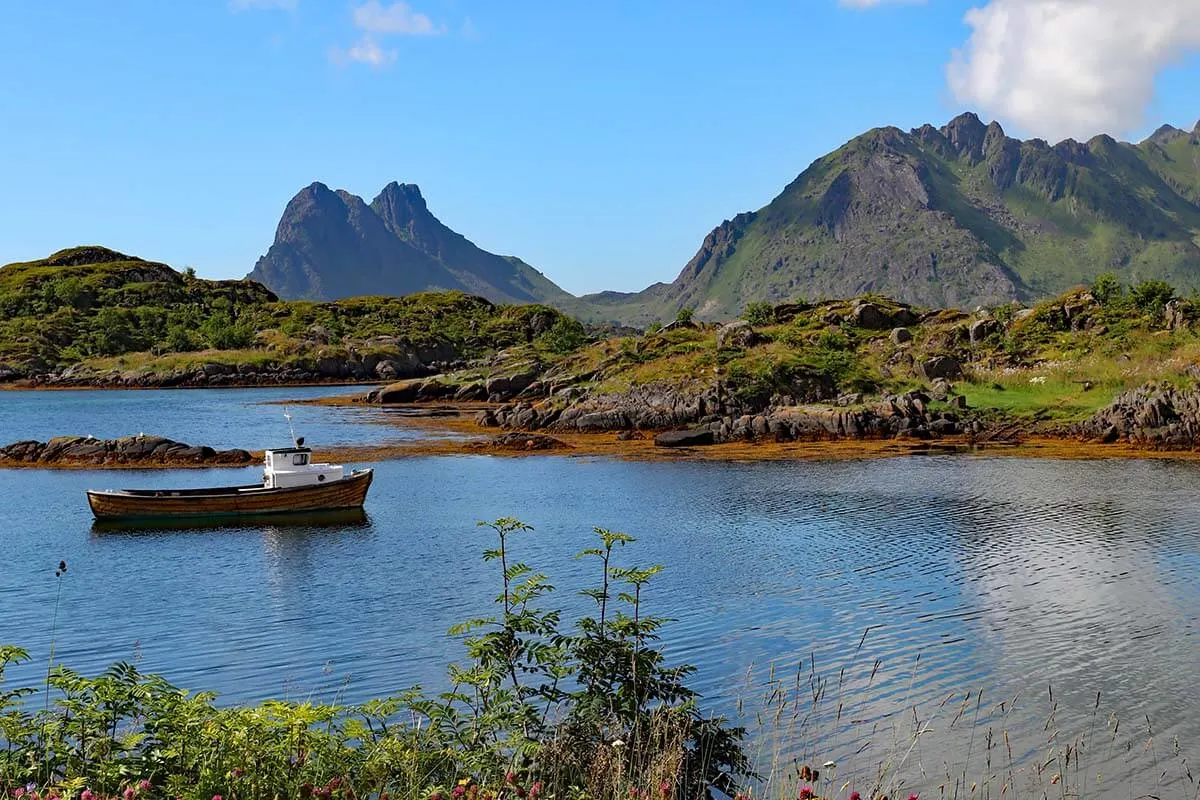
(618, 743)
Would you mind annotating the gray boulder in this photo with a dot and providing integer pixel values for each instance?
(947, 367)
(692, 438)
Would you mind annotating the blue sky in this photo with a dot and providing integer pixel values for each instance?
(599, 142)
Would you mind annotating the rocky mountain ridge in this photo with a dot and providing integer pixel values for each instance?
(961, 215)
(331, 245)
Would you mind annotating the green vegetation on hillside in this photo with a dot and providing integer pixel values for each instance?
(955, 216)
(90, 304)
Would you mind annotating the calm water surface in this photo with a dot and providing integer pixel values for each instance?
(893, 584)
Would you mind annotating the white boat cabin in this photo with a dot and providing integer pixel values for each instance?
(292, 466)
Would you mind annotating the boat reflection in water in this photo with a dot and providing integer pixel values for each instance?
(337, 518)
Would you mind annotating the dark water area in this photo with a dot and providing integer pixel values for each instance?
(888, 585)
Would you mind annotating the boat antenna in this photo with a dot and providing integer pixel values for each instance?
(288, 416)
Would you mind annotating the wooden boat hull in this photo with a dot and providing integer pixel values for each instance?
(232, 501)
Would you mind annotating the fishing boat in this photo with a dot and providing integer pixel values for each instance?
(292, 483)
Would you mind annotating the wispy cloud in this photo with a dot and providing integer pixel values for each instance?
(377, 23)
(397, 19)
(260, 5)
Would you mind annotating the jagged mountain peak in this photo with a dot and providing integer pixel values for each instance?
(1165, 135)
(957, 215)
(332, 244)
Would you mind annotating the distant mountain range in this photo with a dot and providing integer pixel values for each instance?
(958, 215)
(331, 245)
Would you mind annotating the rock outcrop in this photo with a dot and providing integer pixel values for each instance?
(710, 416)
(1153, 415)
(140, 450)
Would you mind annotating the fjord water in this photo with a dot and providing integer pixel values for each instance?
(900, 583)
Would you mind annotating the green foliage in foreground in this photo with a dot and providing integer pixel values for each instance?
(538, 708)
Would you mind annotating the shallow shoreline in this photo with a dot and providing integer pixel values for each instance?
(451, 431)
(24, 386)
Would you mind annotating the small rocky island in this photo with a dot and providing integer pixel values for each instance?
(127, 451)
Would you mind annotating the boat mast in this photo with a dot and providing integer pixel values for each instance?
(288, 415)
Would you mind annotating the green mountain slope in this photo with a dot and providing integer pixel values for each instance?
(959, 216)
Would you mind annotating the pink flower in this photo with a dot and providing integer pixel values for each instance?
(218, 797)
(535, 790)
(510, 777)
(806, 793)
(664, 788)
(18, 792)
(914, 796)
(855, 796)
(129, 793)
(86, 794)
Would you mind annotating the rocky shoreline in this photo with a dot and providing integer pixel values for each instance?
(1155, 417)
(341, 368)
(125, 452)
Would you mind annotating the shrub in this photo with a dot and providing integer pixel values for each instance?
(684, 316)
(222, 333)
(1152, 296)
(1108, 290)
(566, 336)
(759, 313)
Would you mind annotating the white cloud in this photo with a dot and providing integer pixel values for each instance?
(365, 51)
(256, 5)
(1060, 68)
(398, 18)
(378, 22)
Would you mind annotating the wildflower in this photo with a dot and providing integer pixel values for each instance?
(237, 772)
(914, 796)
(437, 796)
(144, 784)
(855, 796)
(664, 788)
(535, 790)
(129, 793)
(618, 743)
(459, 791)
(218, 797)
(510, 777)
(18, 792)
(520, 791)
(806, 793)
(86, 794)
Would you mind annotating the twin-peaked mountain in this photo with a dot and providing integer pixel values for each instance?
(958, 215)
(331, 245)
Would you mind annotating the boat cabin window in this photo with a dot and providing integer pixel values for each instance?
(300, 459)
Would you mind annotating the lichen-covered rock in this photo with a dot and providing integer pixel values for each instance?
(738, 334)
